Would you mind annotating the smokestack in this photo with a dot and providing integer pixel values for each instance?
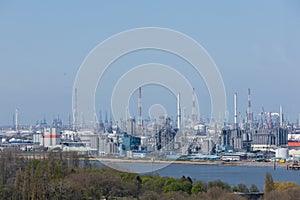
(75, 123)
(194, 115)
(96, 122)
(235, 110)
(106, 119)
(178, 112)
(249, 111)
(70, 122)
(270, 120)
(280, 116)
(249, 106)
(16, 120)
(140, 107)
(100, 117)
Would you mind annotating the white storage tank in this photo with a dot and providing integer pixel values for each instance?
(250, 136)
(282, 153)
(245, 137)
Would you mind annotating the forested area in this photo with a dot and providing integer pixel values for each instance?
(67, 176)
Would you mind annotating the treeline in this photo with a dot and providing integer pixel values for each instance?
(67, 176)
(274, 190)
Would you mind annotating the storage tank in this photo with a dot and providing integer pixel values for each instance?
(282, 153)
(245, 137)
(250, 136)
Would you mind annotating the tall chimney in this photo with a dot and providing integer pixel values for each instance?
(75, 115)
(249, 110)
(178, 111)
(16, 120)
(235, 111)
(140, 107)
(194, 115)
(280, 116)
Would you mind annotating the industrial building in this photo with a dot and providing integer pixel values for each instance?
(90, 140)
(247, 139)
(262, 133)
(48, 137)
(107, 146)
(186, 134)
(130, 142)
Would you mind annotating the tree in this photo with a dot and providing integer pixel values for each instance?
(139, 185)
(154, 184)
(10, 162)
(198, 187)
(218, 183)
(174, 195)
(253, 188)
(150, 195)
(173, 184)
(215, 193)
(285, 185)
(74, 160)
(240, 188)
(276, 195)
(86, 162)
(60, 190)
(269, 183)
(190, 180)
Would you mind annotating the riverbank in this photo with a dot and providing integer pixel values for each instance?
(247, 163)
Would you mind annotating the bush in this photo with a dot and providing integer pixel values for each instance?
(220, 184)
(198, 187)
(269, 183)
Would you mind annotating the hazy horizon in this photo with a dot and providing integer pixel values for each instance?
(254, 45)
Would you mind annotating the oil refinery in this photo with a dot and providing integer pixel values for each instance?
(265, 135)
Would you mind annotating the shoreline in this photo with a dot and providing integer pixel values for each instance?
(245, 163)
(191, 162)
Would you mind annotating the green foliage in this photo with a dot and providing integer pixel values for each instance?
(253, 188)
(186, 187)
(173, 184)
(155, 183)
(127, 176)
(59, 176)
(220, 184)
(198, 187)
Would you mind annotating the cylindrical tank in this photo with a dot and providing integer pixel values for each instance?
(250, 136)
(245, 137)
(282, 153)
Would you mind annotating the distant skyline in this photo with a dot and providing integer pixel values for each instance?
(254, 44)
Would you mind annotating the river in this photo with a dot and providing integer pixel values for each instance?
(230, 174)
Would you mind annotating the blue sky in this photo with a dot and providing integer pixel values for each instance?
(42, 45)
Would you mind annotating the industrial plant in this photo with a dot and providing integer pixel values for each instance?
(264, 136)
